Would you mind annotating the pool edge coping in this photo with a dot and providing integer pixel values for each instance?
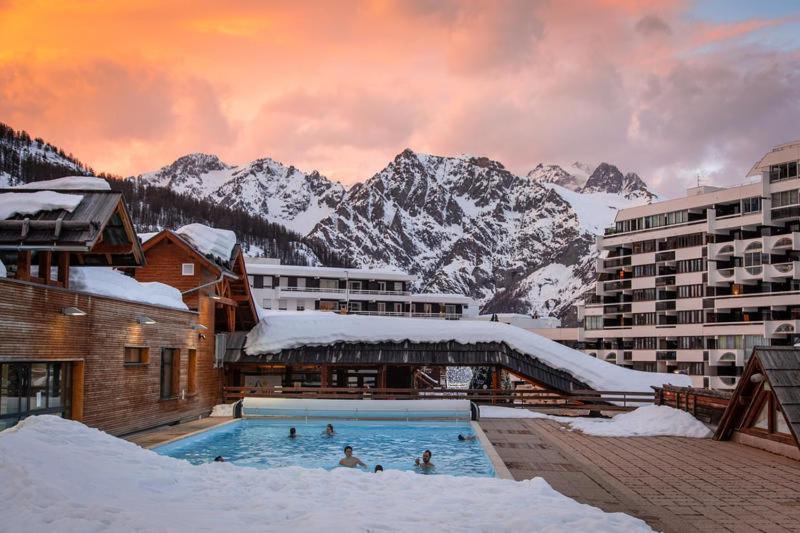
(191, 434)
(500, 469)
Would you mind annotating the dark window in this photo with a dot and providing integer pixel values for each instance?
(170, 373)
(33, 388)
(258, 282)
(137, 355)
(191, 372)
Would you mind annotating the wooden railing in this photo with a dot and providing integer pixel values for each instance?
(707, 405)
(580, 399)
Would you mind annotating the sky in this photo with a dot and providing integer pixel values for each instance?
(671, 90)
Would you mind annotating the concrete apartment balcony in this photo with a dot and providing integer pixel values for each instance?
(643, 355)
(756, 300)
(777, 329)
(341, 294)
(748, 275)
(776, 243)
(610, 356)
(790, 270)
(615, 286)
(722, 382)
(720, 251)
(726, 357)
(720, 277)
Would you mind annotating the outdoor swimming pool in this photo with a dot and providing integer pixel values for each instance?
(394, 445)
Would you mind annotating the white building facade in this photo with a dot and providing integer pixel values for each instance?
(347, 290)
(691, 285)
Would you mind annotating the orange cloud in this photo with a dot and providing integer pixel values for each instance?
(342, 86)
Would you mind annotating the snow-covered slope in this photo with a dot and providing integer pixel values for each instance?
(263, 187)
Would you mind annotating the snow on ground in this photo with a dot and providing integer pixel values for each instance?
(110, 282)
(59, 475)
(30, 203)
(222, 409)
(210, 241)
(69, 183)
(646, 421)
(283, 330)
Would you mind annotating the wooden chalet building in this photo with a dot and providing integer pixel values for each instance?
(764, 410)
(112, 362)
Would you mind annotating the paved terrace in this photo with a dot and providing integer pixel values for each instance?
(675, 484)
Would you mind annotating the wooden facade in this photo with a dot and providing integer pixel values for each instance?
(106, 392)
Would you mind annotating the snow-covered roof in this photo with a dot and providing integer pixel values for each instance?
(327, 272)
(209, 241)
(30, 203)
(285, 330)
(147, 235)
(69, 183)
(110, 282)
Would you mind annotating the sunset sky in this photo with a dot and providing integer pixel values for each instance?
(667, 89)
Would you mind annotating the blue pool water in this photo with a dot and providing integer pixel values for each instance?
(394, 445)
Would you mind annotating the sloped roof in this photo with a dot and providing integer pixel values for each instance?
(100, 216)
(781, 365)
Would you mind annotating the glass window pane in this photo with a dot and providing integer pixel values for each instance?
(38, 388)
(54, 386)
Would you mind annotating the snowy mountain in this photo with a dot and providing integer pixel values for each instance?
(23, 158)
(263, 187)
(460, 224)
(466, 224)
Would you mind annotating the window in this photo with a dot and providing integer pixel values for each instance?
(354, 307)
(187, 269)
(644, 247)
(398, 286)
(690, 317)
(137, 355)
(398, 308)
(642, 271)
(593, 322)
(690, 291)
(355, 285)
(751, 205)
(327, 305)
(281, 305)
(427, 308)
(644, 319)
(691, 265)
(191, 372)
(644, 295)
(328, 284)
(33, 388)
(781, 199)
(645, 343)
(266, 303)
(450, 309)
(381, 307)
(382, 286)
(258, 282)
(690, 343)
(170, 373)
(783, 171)
(301, 307)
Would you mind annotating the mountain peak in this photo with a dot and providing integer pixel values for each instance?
(608, 178)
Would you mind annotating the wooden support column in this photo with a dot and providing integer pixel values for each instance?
(63, 269)
(495, 381)
(45, 261)
(24, 265)
(382, 376)
(77, 390)
(324, 377)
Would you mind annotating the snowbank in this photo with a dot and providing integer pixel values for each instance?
(59, 475)
(209, 241)
(222, 410)
(69, 183)
(647, 421)
(3, 272)
(282, 329)
(110, 282)
(30, 203)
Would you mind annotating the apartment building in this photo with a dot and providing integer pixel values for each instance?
(349, 290)
(691, 285)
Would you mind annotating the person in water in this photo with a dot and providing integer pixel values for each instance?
(466, 437)
(219, 459)
(349, 460)
(293, 433)
(426, 460)
(329, 432)
(378, 468)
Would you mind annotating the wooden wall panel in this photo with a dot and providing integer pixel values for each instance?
(117, 398)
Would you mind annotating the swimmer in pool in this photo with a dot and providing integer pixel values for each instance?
(293, 433)
(466, 437)
(426, 460)
(329, 432)
(349, 460)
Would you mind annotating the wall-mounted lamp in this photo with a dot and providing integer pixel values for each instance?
(215, 297)
(202, 336)
(73, 311)
(757, 378)
(145, 320)
(199, 327)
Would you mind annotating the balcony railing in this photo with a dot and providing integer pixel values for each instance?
(442, 316)
(665, 306)
(617, 285)
(786, 212)
(665, 281)
(665, 256)
(617, 308)
(617, 262)
(366, 292)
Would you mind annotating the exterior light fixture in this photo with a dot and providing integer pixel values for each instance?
(73, 311)
(757, 378)
(199, 327)
(145, 320)
(215, 297)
